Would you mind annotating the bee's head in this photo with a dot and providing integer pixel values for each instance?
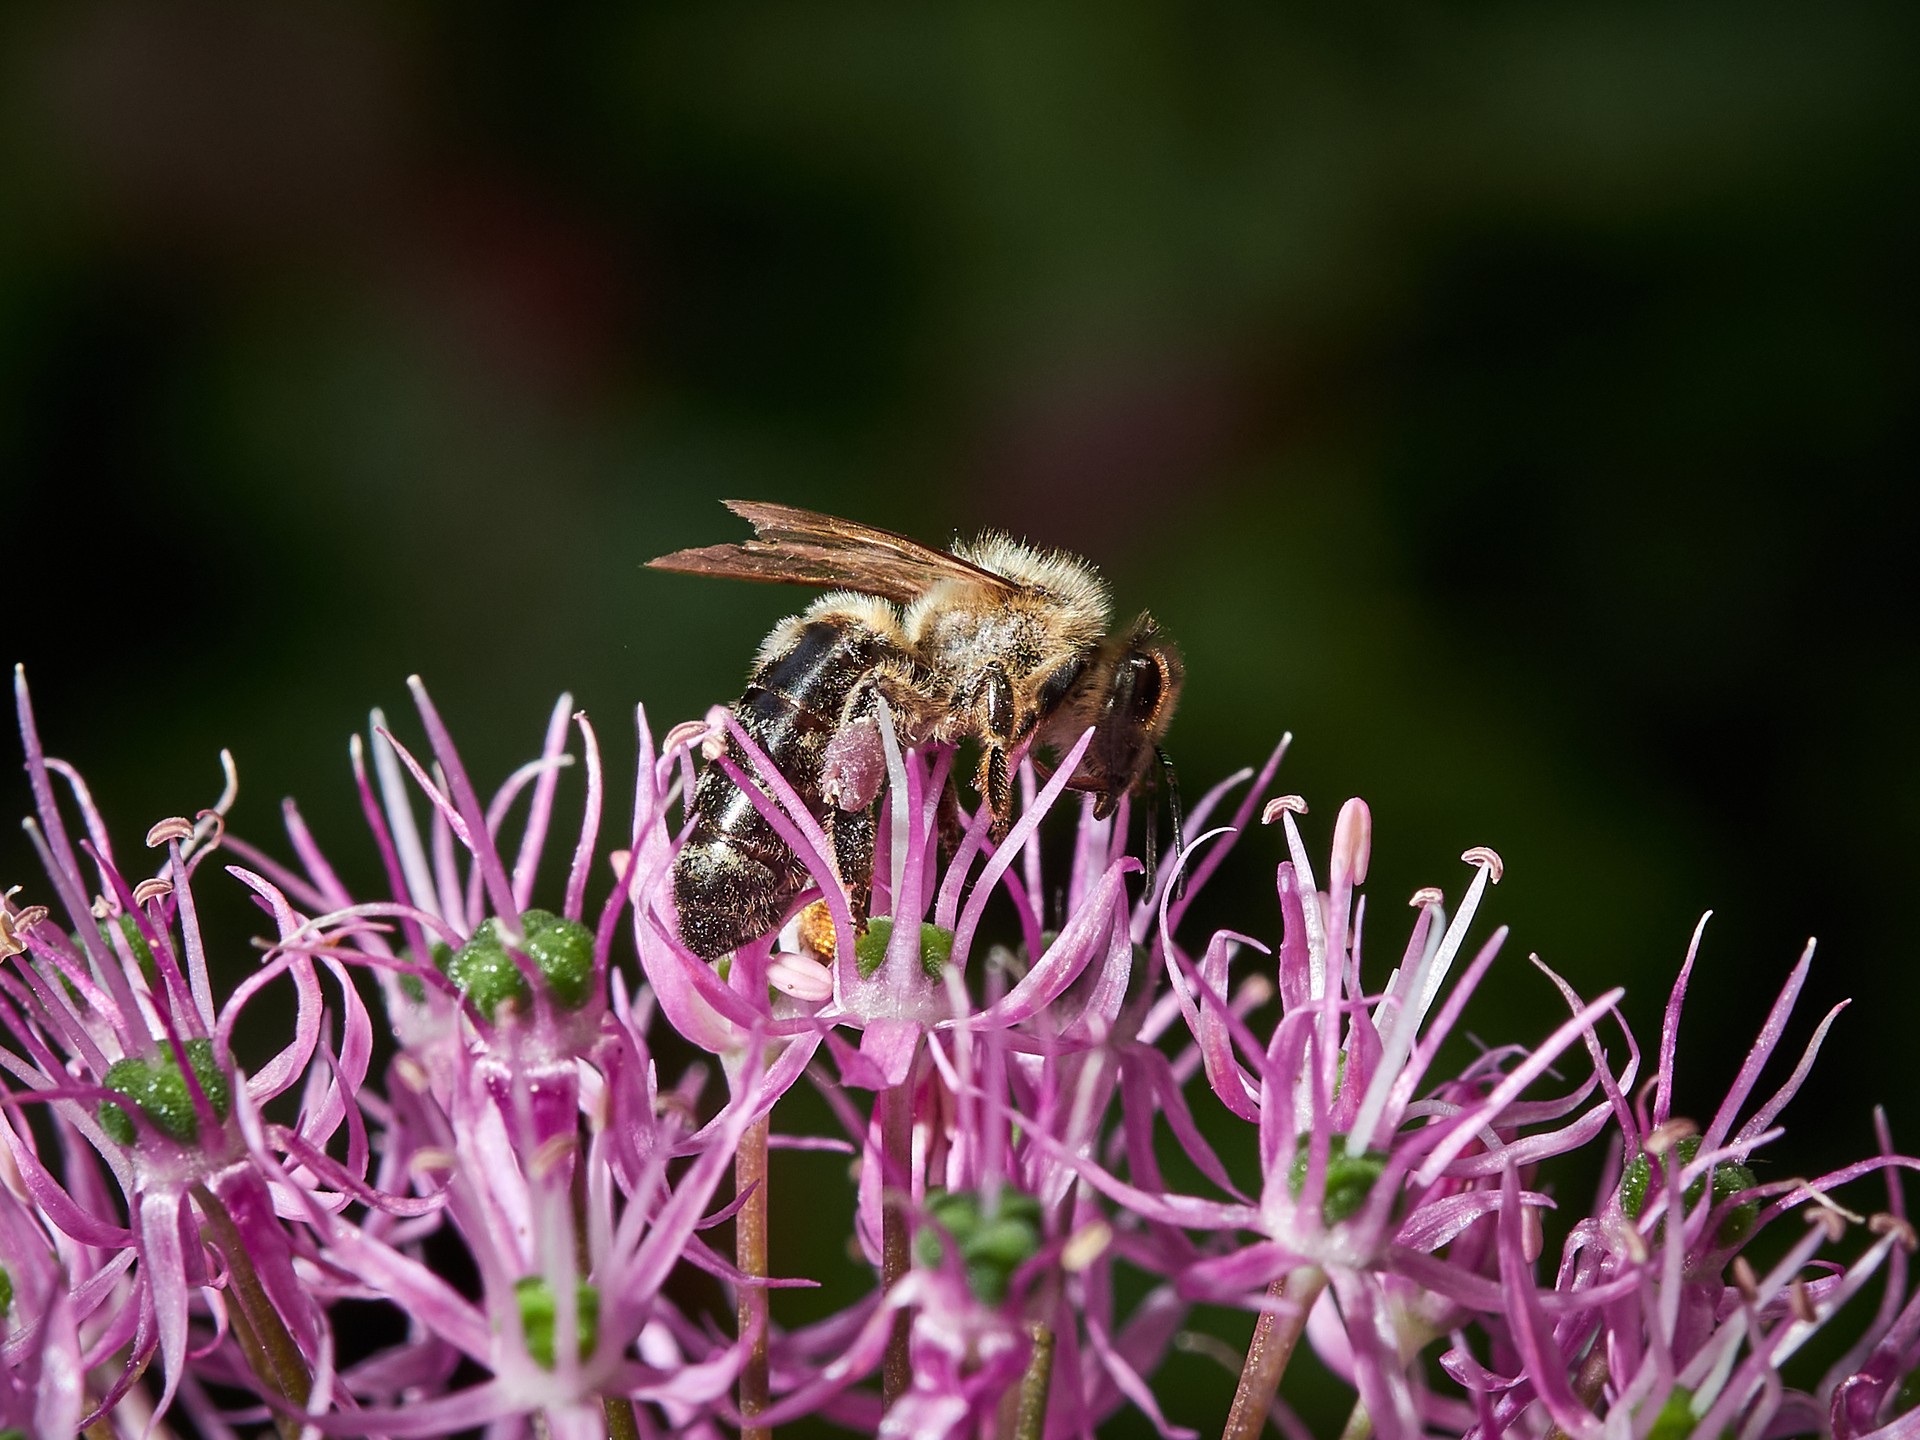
(1125, 690)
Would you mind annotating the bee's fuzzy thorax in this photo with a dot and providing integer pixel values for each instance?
(1070, 581)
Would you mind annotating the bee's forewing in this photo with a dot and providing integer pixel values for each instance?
(792, 546)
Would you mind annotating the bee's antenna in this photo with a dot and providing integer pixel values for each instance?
(1179, 822)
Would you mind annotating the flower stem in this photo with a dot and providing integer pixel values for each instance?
(621, 1423)
(750, 1254)
(1589, 1385)
(271, 1351)
(1359, 1423)
(1275, 1335)
(896, 1145)
(1030, 1420)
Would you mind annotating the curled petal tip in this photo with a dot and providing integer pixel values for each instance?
(1481, 855)
(1281, 805)
(174, 827)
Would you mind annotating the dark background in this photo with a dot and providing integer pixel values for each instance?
(1514, 401)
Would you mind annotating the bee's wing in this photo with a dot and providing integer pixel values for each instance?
(802, 547)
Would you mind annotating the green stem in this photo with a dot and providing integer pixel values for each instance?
(1359, 1423)
(1588, 1385)
(1030, 1419)
(621, 1424)
(264, 1338)
(896, 1178)
(1275, 1335)
(750, 1254)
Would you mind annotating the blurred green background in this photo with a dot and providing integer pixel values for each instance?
(1510, 400)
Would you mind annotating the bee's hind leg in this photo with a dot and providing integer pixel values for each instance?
(854, 767)
(852, 833)
(995, 784)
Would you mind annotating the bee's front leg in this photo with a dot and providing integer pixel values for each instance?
(993, 707)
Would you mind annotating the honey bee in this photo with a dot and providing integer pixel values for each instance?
(994, 642)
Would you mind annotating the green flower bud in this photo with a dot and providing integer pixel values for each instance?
(161, 1091)
(136, 946)
(1676, 1418)
(484, 970)
(440, 956)
(538, 1313)
(1727, 1181)
(563, 949)
(1349, 1177)
(870, 950)
(991, 1244)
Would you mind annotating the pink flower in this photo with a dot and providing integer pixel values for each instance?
(1670, 1322)
(119, 1038)
(1008, 1048)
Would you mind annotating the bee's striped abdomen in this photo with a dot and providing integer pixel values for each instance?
(735, 877)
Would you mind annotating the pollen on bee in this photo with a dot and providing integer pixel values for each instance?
(816, 931)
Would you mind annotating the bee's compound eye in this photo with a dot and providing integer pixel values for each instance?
(1145, 686)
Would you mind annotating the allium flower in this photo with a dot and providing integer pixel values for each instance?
(152, 1189)
(525, 1098)
(936, 1145)
(507, 1179)
(1673, 1324)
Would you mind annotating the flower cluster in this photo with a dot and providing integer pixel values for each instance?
(481, 1185)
